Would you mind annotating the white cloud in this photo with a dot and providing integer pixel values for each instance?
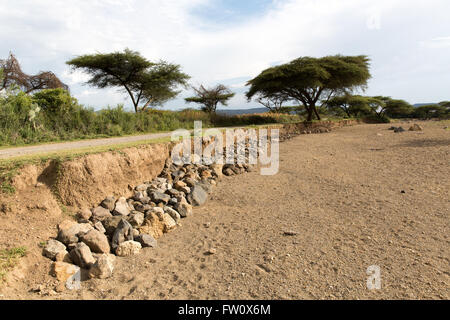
(44, 34)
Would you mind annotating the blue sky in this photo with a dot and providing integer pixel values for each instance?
(229, 42)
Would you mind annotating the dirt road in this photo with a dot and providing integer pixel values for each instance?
(53, 147)
(356, 197)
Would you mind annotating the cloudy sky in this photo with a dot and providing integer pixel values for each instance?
(231, 41)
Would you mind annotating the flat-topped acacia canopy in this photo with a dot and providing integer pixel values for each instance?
(311, 80)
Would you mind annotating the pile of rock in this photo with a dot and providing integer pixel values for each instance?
(122, 227)
(414, 127)
(397, 129)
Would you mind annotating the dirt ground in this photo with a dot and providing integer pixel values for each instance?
(356, 197)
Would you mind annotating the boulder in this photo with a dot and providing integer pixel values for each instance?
(206, 185)
(84, 215)
(121, 208)
(179, 185)
(198, 196)
(53, 248)
(173, 213)
(159, 197)
(136, 218)
(143, 207)
(153, 223)
(415, 127)
(228, 172)
(186, 190)
(141, 197)
(100, 214)
(82, 256)
(124, 232)
(63, 256)
(173, 192)
(146, 240)
(108, 203)
(111, 224)
(66, 224)
(399, 129)
(96, 241)
(183, 208)
(128, 248)
(99, 227)
(168, 222)
(71, 234)
(63, 270)
(190, 182)
(141, 187)
(103, 268)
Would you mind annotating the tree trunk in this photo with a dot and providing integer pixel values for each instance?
(317, 113)
(310, 114)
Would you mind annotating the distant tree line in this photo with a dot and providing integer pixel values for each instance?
(319, 87)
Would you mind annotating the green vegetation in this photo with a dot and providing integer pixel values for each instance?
(146, 82)
(311, 81)
(9, 258)
(53, 115)
(210, 98)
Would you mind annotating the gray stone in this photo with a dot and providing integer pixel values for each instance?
(136, 218)
(186, 190)
(96, 241)
(53, 248)
(99, 227)
(71, 234)
(198, 196)
(190, 182)
(141, 187)
(178, 174)
(84, 215)
(121, 208)
(217, 169)
(173, 192)
(111, 224)
(159, 197)
(399, 129)
(103, 268)
(183, 208)
(128, 248)
(142, 207)
(123, 233)
(173, 213)
(173, 201)
(206, 185)
(146, 240)
(82, 256)
(100, 214)
(142, 197)
(109, 203)
(228, 172)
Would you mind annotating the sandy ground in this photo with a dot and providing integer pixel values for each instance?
(340, 192)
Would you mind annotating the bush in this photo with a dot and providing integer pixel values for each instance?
(54, 115)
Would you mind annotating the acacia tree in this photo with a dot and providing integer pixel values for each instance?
(209, 98)
(311, 81)
(146, 83)
(352, 105)
(273, 102)
(12, 75)
(388, 107)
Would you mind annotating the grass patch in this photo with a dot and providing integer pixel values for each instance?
(9, 259)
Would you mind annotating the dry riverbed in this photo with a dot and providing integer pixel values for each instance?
(341, 202)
